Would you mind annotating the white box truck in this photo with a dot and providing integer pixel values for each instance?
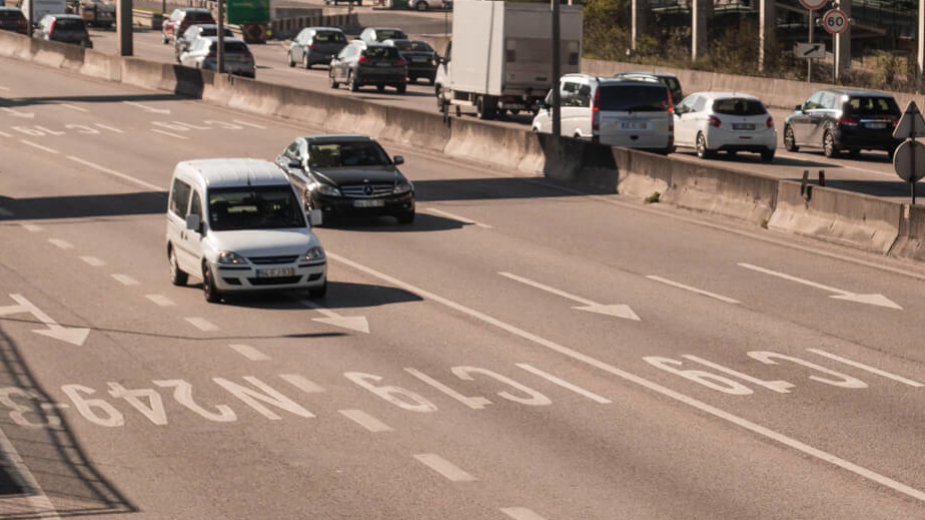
(43, 7)
(500, 57)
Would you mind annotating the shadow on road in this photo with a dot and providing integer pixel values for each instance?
(85, 206)
(499, 189)
(423, 222)
(341, 295)
(116, 98)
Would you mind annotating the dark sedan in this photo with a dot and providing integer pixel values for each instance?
(844, 119)
(12, 19)
(421, 58)
(348, 175)
(361, 64)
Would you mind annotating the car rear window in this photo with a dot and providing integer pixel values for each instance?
(329, 37)
(212, 31)
(348, 154)
(231, 47)
(390, 34)
(381, 53)
(739, 107)
(872, 106)
(69, 24)
(414, 46)
(634, 98)
(262, 207)
(199, 16)
(11, 14)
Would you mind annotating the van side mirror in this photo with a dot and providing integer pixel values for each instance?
(314, 217)
(798, 108)
(398, 160)
(193, 223)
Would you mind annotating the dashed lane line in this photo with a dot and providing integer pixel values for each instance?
(302, 383)
(176, 136)
(444, 467)
(862, 366)
(40, 147)
(245, 123)
(111, 129)
(62, 244)
(125, 279)
(692, 289)
(563, 383)
(160, 300)
(73, 107)
(4, 134)
(249, 352)
(4, 88)
(114, 173)
(521, 513)
(464, 220)
(32, 228)
(93, 261)
(202, 324)
(365, 420)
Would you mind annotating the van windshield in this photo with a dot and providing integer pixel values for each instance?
(254, 207)
(634, 98)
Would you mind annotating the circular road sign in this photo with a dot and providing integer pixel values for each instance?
(903, 161)
(814, 5)
(835, 21)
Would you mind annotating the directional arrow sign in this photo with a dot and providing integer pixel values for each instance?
(73, 336)
(357, 323)
(911, 124)
(870, 299)
(809, 50)
(146, 108)
(617, 311)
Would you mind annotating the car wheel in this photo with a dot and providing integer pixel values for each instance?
(331, 81)
(319, 292)
(291, 61)
(166, 40)
(402, 88)
(177, 276)
(406, 218)
(380, 88)
(352, 81)
(421, 6)
(890, 153)
(305, 62)
(790, 140)
(828, 144)
(702, 151)
(208, 286)
(767, 155)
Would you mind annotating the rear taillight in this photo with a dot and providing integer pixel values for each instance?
(596, 112)
(313, 46)
(401, 62)
(51, 28)
(714, 122)
(22, 23)
(248, 55)
(770, 122)
(847, 121)
(895, 121)
(212, 55)
(364, 60)
(670, 102)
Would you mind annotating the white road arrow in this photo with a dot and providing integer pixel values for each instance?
(870, 299)
(17, 113)
(615, 310)
(73, 336)
(147, 108)
(357, 323)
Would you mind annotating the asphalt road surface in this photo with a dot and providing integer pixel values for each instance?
(523, 351)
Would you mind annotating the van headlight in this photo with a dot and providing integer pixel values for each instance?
(330, 191)
(314, 254)
(231, 258)
(402, 187)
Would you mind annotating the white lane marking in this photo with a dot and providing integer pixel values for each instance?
(111, 129)
(563, 383)
(615, 310)
(870, 299)
(365, 420)
(32, 228)
(114, 173)
(125, 279)
(357, 323)
(4, 134)
(692, 289)
(63, 244)
(302, 383)
(35, 496)
(444, 467)
(868, 368)
(202, 324)
(755, 428)
(245, 123)
(5, 212)
(40, 147)
(17, 113)
(160, 299)
(169, 133)
(147, 108)
(74, 107)
(93, 261)
(4, 88)
(521, 513)
(464, 220)
(249, 352)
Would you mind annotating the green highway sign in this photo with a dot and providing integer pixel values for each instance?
(248, 11)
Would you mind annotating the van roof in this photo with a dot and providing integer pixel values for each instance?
(228, 173)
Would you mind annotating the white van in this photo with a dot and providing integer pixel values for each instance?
(616, 112)
(238, 225)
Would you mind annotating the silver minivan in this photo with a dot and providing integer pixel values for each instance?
(616, 112)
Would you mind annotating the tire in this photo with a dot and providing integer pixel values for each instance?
(406, 218)
(352, 83)
(306, 62)
(402, 88)
(380, 88)
(790, 140)
(291, 62)
(767, 155)
(890, 153)
(440, 101)
(421, 6)
(209, 291)
(484, 112)
(702, 151)
(828, 145)
(331, 81)
(166, 39)
(319, 292)
(177, 276)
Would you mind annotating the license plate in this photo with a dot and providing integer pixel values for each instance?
(743, 126)
(375, 203)
(275, 272)
(634, 125)
(382, 64)
(877, 126)
(419, 60)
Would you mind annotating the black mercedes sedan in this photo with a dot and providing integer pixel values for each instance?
(420, 56)
(348, 175)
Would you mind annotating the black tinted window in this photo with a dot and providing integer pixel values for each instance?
(381, 53)
(738, 107)
(232, 47)
(199, 16)
(340, 155)
(10, 14)
(414, 46)
(872, 106)
(635, 98)
(329, 37)
(69, 24)
(387, 34)
(262, 207)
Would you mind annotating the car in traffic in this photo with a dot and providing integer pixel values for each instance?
(203, 54)
(381, 34)
(314, 45)
(615, 112)
(670, 80)
(336, 2)
(725, 121)
(65, 28)
(180, 20)
(237, 225)
(424, 5)
(363, 64)
(348, 175)
(97, 13)
(422, 59)
(12, 19)
(840, 119)
(194, 32)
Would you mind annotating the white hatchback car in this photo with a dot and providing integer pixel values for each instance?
(725, 121)
(238, 225)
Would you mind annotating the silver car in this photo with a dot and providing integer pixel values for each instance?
(316, 45)
(202, 54)
(193, 33)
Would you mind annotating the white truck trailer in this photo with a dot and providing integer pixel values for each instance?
(500, 57)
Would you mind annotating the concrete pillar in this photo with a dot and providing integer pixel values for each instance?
(700, 13)
(920, 59)
(843, 43)
(124, 27)
(767, 29)
(640, 16)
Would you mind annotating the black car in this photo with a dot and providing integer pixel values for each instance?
(668, 79)
(844, 119)
(361, 64)
(65, 28)
(348, 175)
(421, 58)
(12, 19)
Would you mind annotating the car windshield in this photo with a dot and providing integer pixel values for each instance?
(414, 46)
(634, 98)
(872, 106)
(738, 107)
(258, 207)
(199, 16)
(348, 154)
(381, 53)
(389, 34)
(69, 24)
(329, 37)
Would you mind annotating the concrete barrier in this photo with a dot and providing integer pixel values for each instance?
(852, 219)
(100, 65)
(911, 241)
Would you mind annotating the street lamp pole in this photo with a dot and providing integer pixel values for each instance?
(556, 72)
(220, 53)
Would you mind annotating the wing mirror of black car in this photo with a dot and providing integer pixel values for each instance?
(398, 160)
(798, 108)
(295, 164)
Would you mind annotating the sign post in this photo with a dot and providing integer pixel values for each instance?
(909, 159)
(834, 21)
(812, 5)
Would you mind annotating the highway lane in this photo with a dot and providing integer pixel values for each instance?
(434, 299)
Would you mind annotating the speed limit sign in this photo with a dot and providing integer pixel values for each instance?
(835, 21)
